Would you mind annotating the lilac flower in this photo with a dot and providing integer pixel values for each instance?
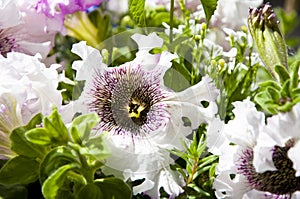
(17, 34)
(56, 10)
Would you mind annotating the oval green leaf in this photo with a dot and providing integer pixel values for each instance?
(19, 170)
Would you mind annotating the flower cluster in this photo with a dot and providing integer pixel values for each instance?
(148, 99)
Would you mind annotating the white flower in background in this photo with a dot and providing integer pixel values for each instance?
(17, 34)
(27, 87)
(257, 160)
(118, 6)
(233, 13)
(141, 116)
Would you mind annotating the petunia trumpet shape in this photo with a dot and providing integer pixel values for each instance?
(140, 117)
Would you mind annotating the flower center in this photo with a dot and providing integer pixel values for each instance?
(127, 100)
(282, 181)
(6, 43)
(137, 111)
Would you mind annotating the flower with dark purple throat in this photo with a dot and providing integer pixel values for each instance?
(141, 116)
(262, 162)
(16, 36)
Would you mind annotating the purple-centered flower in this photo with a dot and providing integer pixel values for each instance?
(257, 159)
(140, 117)
(17, 34)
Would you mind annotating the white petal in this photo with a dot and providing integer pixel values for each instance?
(195, 115)
(147, 42)
(246, 126)
(145, 186)
(228, 188)
(293, 154)
(262, 159)
(90, 63)
(254, 194)
(216, 140)
(169, 182)
(296, 195)
(32, 48)
(9, 14)
(205, 90)
(227, 161)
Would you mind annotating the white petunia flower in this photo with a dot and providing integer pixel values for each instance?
(17, 34)
(143, 118)
(257, 159)
(27, 87)
(233, 13)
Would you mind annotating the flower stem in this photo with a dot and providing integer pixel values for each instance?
(171, 21)
(194, 169)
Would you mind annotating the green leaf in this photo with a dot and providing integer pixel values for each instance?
(81, 127)
(274, 94)
(56, 127)
(39, 136)
(21, 145)
(13, 192)
(114, 188)
(282, 73)
(90, 191)
(270, 83)
(137, 11)
(209, 7)
(95, 148)
(285, 91)
(56, 158)
(19, 170)
(294, 74)
(52, 184)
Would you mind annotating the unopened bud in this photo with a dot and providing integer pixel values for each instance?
(263, 26)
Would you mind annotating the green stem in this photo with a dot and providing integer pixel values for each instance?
(171, 22)
(86, 171)
(194, 169)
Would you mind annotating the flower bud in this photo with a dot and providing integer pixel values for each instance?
(263, 26)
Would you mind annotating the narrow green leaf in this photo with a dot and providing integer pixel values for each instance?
(19, 170)
(209, 7)
(198, 190)
(39, 136)
(137, 11)
(90, 191)
(52, 184)
(207, 160)
(114, 188)
(21, 145)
